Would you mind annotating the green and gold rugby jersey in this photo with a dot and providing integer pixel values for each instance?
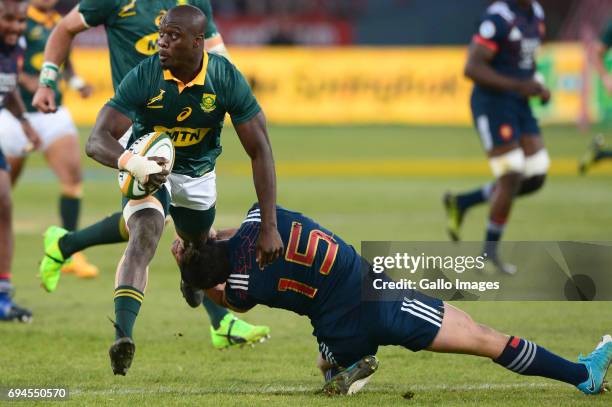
(132, 27)
(38, 28)
(192, 114)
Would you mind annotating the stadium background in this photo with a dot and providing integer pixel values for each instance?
(369, 125)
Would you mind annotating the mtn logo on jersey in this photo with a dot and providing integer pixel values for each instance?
(147, 45)
(183, 136)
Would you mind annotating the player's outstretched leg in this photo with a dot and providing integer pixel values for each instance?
(460, 334)
(63, 157)
(350, 380)
(146, 225)
(60, 245)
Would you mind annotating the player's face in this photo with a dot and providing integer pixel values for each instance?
(44, 4)
(175, 43)
(12, 21)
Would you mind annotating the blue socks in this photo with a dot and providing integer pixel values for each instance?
(475, 197)
(528, 359)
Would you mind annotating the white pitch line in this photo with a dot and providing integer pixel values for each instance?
(287, 390)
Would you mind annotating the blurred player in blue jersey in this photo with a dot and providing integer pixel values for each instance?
(322, 278)
(501, 63)
(597, 150)
(12, 26)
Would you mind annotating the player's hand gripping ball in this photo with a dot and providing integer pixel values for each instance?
(151, 145)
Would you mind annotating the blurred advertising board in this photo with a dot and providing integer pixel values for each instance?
(353, 85)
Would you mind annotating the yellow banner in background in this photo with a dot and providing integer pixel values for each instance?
(355, 85)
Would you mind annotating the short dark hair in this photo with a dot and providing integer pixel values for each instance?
(205, 265)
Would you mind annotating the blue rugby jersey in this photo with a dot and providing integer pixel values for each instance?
(11, 60)
(319, 275)
(515, 34)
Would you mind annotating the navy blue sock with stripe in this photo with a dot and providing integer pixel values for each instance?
(528, 359)
(475, 197)
(495, 230)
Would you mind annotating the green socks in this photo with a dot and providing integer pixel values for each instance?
(109, 230)
(127, 304)
(215, 312)
(70, 208)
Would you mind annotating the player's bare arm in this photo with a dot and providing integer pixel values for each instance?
(254, 138)
(478, 69)
(56, 53)
(29, 82)
(103, 147)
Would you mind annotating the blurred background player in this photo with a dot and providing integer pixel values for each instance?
(132, 31)
(597, 150)
(59, 137)
(501, 63)
(12, 26)
(323, 282)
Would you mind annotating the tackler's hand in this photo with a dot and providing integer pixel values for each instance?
(269, 246)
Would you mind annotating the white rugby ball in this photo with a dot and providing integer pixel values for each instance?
(154, 144)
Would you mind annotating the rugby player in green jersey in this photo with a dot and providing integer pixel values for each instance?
(59, 141)
(186, 93)
(597, 150)
(132, 28)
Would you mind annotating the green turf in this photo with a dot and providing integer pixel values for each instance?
(175, 365)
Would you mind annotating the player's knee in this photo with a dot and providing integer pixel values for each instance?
(532, 184)
(537, 165)
(146, 224)
(5, 207)
(508, 164)
(72, 189)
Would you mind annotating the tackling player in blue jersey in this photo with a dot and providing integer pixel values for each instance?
(502, 65)
(322, 277)
(12, 26)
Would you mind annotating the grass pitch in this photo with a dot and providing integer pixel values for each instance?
(364, 183)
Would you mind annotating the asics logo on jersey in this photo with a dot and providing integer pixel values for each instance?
(183, 136)
(156, 99)
(128, 10)
(185, 113)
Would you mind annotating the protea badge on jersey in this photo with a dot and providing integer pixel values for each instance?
(154, 144)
